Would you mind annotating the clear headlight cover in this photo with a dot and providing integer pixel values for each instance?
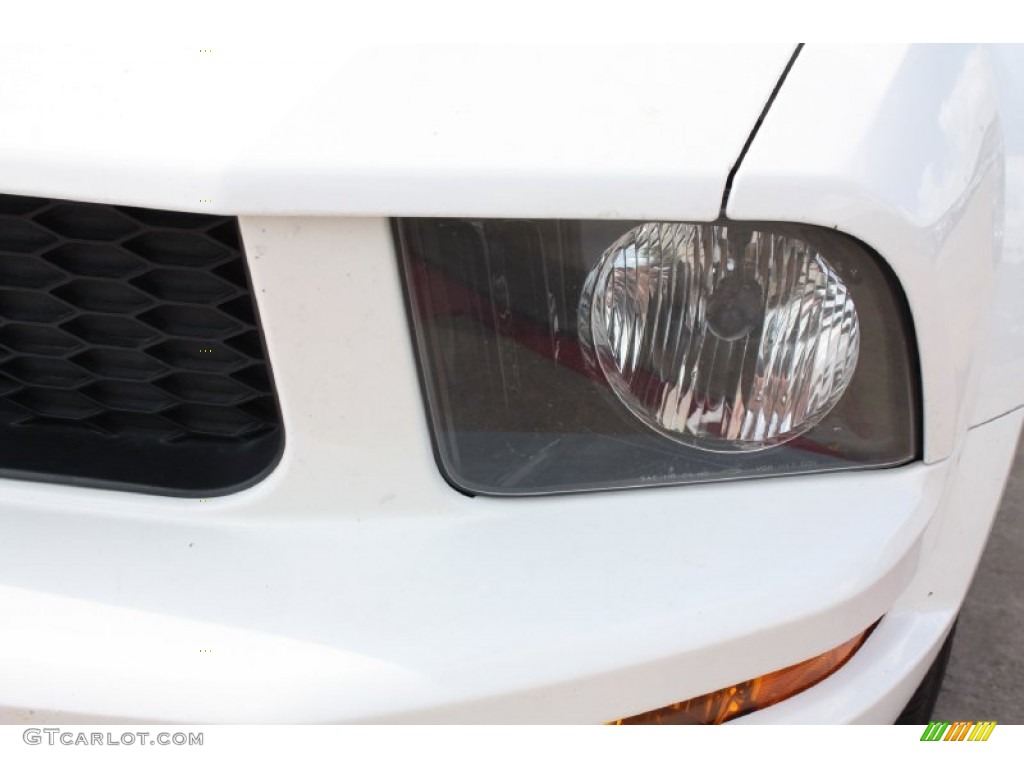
(721, 337)
(576, 355)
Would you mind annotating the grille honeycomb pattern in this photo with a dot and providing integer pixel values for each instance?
(131, 329)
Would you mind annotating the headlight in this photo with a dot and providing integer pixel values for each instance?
(561, 355)
(721, 337)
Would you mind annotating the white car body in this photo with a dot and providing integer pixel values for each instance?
(353, 584)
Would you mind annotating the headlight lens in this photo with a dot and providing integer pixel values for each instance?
(576, 355)
(721, 337)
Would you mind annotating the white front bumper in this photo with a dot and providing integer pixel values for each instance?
(354, 585)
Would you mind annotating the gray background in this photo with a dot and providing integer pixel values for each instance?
(985, 677)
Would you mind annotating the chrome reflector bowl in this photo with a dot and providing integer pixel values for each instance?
(725, 338)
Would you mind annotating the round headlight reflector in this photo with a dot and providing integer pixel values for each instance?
(722, 337)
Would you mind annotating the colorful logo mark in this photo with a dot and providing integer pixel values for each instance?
(958, 731)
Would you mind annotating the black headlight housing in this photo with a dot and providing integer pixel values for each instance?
(518, 405)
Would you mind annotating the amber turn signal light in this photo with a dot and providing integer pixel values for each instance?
(752, 695)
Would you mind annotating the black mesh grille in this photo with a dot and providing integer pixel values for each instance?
(130, 350)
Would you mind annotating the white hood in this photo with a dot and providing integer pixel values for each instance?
(629, 132)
